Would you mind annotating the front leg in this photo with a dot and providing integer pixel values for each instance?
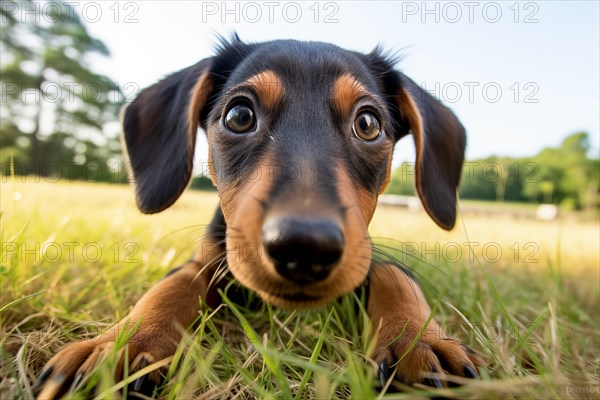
(406, 341)
(159, 318)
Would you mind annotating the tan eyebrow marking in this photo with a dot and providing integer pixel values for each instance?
(268, 88)
(346, 91)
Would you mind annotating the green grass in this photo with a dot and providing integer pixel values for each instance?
(75, 257)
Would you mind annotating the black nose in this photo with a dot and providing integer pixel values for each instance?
(303, 251)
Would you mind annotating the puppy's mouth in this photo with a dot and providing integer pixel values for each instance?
(293, 299)
(260, 276)
(299, 297)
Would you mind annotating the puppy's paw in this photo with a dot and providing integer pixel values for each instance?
(425, 360)
(411, 346)
(71, 366)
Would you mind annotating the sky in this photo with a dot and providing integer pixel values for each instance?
(520, 75)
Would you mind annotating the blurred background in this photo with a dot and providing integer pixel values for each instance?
(522, 77)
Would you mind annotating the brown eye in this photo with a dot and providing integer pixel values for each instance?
(240, 118)
(366, 126)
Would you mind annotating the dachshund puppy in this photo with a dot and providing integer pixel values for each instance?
(300, 138)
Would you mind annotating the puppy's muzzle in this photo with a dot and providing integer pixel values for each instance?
(303, 251)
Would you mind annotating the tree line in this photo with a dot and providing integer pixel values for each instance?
(564, 175)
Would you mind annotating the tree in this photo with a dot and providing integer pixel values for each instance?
(566, 175)
(54, 107)
(580, 174)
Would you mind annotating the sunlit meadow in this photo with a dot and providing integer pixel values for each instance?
(76, 256)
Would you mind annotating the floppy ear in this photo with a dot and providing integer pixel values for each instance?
(440, 142)
(439, 137)
(159, 133)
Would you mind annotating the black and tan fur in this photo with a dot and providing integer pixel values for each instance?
(300, 163)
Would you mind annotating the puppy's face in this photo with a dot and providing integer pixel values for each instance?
(300, 139)
(300, 146)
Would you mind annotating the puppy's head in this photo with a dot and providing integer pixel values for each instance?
(300, 139)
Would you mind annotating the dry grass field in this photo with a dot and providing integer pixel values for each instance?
(76, 256)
